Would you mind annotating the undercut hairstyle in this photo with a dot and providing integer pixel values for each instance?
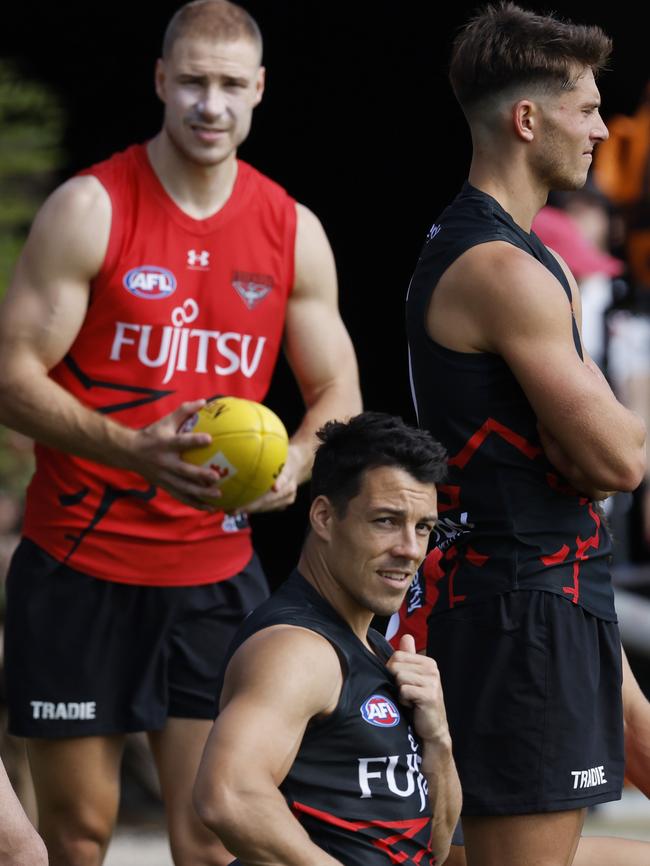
(504, 46)
(368, 441)
(214, 21)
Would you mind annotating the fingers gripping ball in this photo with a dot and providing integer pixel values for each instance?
(248, 449)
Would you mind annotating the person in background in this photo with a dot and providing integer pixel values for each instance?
(523, 625)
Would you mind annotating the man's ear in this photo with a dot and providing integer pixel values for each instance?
(321, 515)
(159, 79)
(524, 118)
(259, 85)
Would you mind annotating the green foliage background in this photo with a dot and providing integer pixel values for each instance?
(31, 155)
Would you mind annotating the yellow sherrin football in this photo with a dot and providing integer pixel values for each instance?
(248, 449)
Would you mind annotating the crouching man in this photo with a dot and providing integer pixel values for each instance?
(330, 749)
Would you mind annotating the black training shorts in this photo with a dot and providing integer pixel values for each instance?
(85, 656)
(532, 687)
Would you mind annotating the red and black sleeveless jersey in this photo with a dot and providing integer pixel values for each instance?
(181, 309)
(507, 520)
(355, 785)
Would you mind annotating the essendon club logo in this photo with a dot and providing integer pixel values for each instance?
(251, 288)
(379, 711)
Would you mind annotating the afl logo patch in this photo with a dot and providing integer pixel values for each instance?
(379, 711)
(150, 281)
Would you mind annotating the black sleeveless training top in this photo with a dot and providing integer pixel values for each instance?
(355, 784)
(508, 520)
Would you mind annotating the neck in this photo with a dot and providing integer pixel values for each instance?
(511, 183)
(198, 190)
(314, 569)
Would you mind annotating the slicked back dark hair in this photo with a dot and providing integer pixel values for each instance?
(504, 45)
(213, 20)
(367, 441)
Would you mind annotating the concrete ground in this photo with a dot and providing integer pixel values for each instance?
(133, 847)
(147, 845)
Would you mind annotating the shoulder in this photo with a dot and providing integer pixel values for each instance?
(307, 219)
(315, 270)
(502, 272)
(74, 222)
(281, 660)
(311, 236)
(567, 271)
(287, 643)
(80, 197)
(507, 294)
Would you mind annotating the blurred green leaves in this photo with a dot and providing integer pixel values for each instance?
(31, 132)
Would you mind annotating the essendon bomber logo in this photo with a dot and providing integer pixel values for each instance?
(150, 282)
(379, 711)
(251, 288)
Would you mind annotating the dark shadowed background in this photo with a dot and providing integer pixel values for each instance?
(358, 122)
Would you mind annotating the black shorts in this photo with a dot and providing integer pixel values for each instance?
(532, 687)
(85, 656)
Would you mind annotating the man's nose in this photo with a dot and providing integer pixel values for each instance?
(213, 102)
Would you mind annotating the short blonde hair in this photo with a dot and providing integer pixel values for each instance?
(215, 20)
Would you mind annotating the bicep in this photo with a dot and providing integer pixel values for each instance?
(530, 319)
(317, 343)
(47, 300)
(250, 725)
(269, 697)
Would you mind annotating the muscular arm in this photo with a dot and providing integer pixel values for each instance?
(320, 353)
(40, 318)
(498, 299)
(270, 694)
(419, 686)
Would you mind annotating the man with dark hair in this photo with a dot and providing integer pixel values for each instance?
(523, 625)
(166, 274)
(328, 748)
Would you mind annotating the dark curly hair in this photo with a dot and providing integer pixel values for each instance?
(367, 441)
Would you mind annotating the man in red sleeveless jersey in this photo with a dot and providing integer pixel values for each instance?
(169, 273)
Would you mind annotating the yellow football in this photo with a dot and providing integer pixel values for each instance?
(248, 449)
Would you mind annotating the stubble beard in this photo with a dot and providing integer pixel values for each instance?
(194, 156)
(553, 168)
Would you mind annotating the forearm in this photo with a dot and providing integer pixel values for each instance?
(596, 476)
(35, 405)
(445, 795)
(257, 827)
(339, 399)
(621, 463)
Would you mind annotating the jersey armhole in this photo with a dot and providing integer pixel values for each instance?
(290, 243)
(115, 234)
(115, 237)
(343, 703)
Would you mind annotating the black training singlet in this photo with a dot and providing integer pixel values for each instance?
(508, 521)
(355, 785)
